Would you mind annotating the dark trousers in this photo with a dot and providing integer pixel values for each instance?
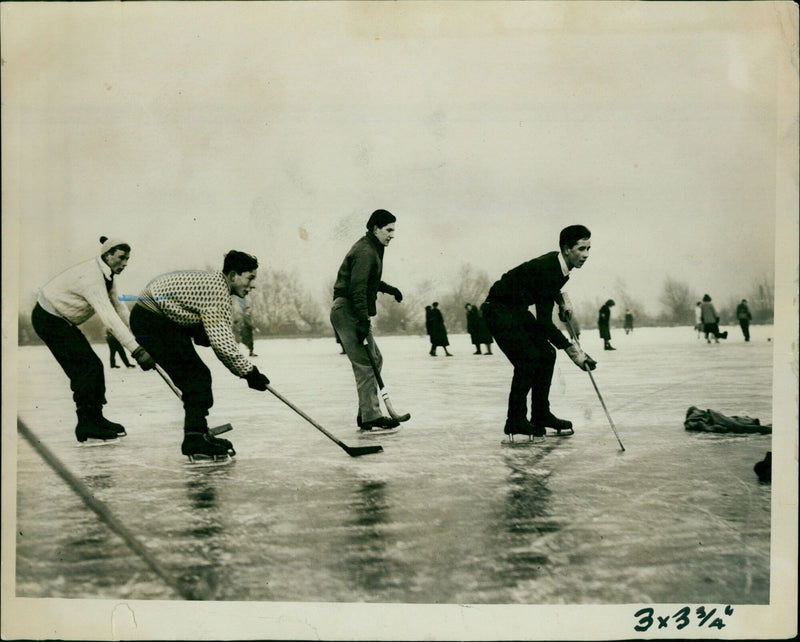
(172, 348)
(744, 324)
(75, 356)
(115, 348)
(517, 334)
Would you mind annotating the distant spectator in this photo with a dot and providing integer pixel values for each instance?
(115, 348)
(628, 321)
(438, 331)
(711, 320)
(744, 316)
(478, 332)
(604, 324)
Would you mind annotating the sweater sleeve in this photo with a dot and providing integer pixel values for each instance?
(101, 301)
(544, 318)
(219, 328)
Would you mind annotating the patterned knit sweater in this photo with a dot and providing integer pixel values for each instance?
(193, 297)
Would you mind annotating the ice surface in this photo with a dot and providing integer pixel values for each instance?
(446, 514)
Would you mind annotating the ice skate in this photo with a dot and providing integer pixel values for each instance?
(113, 425)
(200, 446)
(523, 427)
(90, 427)
(563, 427)
(380, 424)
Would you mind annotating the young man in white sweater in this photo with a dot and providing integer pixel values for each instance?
(67, 301)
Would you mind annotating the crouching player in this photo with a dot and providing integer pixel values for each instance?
(178, 308)
(529, 341)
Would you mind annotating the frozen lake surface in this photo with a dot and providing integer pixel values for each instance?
(446, 514)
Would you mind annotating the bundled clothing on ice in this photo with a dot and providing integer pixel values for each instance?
(477, 329)
(713, 421)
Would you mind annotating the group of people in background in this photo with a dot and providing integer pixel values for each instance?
(437, 332)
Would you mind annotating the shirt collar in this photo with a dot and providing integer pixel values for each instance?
(107, 274)
(563, 264)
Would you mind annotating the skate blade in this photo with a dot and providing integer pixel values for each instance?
(92, 442)
(377, 432)
(564, 432)
(522, 441)
(209, 460)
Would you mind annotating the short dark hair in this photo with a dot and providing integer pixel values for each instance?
(572, 234)
(236, 261)
(380, 218)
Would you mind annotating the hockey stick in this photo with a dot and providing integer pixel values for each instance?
(384, 393)
(216, 430)
(596, 389)
(102, 511)
(353, 451)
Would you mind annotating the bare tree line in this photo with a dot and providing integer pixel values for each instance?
(282, 306)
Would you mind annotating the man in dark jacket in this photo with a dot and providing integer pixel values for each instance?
(528, 341)
(744, 316)
(604, 324)
(355, 294)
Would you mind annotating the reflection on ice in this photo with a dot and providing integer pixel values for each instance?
(445, 514)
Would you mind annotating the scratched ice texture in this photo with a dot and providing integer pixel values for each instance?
(446, 514)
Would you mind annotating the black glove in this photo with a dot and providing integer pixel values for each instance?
(397, 294)
(362, 330)
(256, 380)
(144, 360)
(200, 337)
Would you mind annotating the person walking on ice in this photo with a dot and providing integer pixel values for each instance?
(355, 294)
(70, 299)
(711, 320)
(177, 308)
(528, 341)
(115, 348)
(604, 324)
(438, 331)
(744, 317)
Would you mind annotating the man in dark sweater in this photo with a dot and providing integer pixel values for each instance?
(529, 341)
(355, 295)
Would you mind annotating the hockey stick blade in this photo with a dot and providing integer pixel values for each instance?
(353, 451)
(218, 430)
(357, 451)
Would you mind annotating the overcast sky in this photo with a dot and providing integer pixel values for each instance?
(191, 129)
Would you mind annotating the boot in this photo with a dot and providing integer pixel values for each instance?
(551, 421)
(201, 445)
(90, 425)
(523, 427)
(382, 423)
(608, 346)
(112, 425)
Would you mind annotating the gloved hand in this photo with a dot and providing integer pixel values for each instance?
(144, 360)
(397, 294)
(580, 358)
(200, 337)
(362, 330)
(256, 380)
(565, 308)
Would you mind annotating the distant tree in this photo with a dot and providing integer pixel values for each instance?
(625, 302)
(761, 299)
(471, 286)
(282, 306)
(678, 302)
